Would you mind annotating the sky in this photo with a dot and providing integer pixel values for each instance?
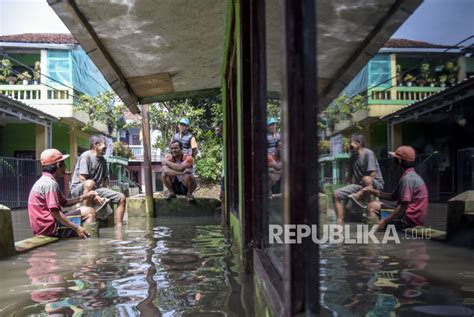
(435, 21)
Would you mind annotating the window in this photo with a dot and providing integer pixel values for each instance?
(380, 71)
(59, 68)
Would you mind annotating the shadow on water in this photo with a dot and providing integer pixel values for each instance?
(159, 267)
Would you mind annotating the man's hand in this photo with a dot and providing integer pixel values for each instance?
(82, 233)
(371, 190)
(89, 195)
(382, 224)
(188, 171)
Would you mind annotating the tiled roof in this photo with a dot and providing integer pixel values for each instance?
(404, 43)
(47, 38)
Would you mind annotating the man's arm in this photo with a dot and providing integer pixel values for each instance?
(194, 147)
(276, 165)
(180, 167)
(59, 216)
(83, 177)
(72, 201)
(399, 210)
(388, 196)
(171, 172)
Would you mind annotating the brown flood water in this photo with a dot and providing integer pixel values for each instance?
(166, 267)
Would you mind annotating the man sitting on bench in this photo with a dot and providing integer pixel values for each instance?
(410, 196)
(364, 172)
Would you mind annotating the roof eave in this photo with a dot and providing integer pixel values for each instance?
(38, 45)
(85, 35)
(381, 33)
(446, 50)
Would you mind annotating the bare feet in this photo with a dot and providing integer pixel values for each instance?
(170, 195)
(191, 198)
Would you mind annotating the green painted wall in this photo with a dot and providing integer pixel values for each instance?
(261, 302)
(20, 137)
(28, 59)
(239, 106)
(61, 140)
(82, 142)
(236, 234)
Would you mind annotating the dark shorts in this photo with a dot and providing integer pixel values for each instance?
(75, 217)
(112, 195)
(179, 188)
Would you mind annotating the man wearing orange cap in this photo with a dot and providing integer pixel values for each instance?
(410, 196)
(46, 199)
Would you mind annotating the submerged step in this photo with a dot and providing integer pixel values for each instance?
(136, 206)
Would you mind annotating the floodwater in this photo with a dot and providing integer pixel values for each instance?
(415, 278)
(159, 267)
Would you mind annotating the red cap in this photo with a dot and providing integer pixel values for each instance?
(406, 153)
(52, 156)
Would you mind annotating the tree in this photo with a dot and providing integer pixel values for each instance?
(205, 115)
(342, 108)
(106, 108)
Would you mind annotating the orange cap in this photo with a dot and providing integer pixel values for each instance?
(404, 152)
(52, 156)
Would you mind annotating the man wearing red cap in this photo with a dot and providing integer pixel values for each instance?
(410, 196)
(46, 199)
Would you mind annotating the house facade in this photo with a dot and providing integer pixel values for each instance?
(133, 138)
(402, 73)
(49, 72)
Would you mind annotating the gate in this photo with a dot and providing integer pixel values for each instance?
(17, 176)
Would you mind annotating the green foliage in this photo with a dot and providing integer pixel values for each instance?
(121, 149)
(343, 108)
(274, 109)
(324, 146)
(24, 76)
(5, 69)
(409, 78)
(209, 165)
(106, 108)
(205, 115)
(37, 71)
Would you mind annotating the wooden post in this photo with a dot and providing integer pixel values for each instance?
(246, 152)
(300, 200)
(41, 142)
(259, 126)
(147, 162)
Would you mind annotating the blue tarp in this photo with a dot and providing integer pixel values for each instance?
(86, 77)
(376, 73)
(73, 68)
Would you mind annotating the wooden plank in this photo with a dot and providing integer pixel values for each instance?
(32, 243)
(300, 192)
(151, 85)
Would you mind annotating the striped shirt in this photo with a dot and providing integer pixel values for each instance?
(44, 196)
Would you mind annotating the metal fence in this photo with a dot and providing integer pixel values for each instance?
(17, 176)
